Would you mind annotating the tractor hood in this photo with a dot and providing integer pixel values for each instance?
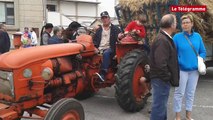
(21, 57)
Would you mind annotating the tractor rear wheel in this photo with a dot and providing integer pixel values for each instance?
(129, 91)
(65, 109)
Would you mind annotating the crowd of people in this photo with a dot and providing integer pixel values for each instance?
(172, 60)
(29, 37)
(60, 35)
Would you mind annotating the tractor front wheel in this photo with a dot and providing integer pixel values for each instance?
(129, 91)
(65, 109)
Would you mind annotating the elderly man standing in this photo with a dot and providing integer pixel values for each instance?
(105, 39)
(4, 39)
(164, 67)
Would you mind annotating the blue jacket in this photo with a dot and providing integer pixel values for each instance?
(54, 40)
(186, 56)
(114, 31)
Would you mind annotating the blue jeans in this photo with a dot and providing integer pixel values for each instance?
(188, 84)
(106, 59)
(160, 98)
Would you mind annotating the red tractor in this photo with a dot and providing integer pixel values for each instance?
(31, 78)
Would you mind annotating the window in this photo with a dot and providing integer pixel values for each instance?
(7, 13)
(51, 8)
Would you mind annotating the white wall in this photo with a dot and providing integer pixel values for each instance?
(54, 18)
(85, 9)
(68, 8)
(85, 12)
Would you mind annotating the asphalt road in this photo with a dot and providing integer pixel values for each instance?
(103, 105)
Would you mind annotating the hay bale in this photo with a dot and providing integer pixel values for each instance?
(136, 5)
(132, 5)
(203, 21)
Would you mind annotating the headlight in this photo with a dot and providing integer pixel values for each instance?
(47, 73)
(27, 73)
(6, 83)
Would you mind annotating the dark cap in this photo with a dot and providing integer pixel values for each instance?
(105, 14)
(74, 25)
(48, 25)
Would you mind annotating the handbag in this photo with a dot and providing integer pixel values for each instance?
(201, 64)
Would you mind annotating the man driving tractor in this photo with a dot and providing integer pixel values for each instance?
(104, 40)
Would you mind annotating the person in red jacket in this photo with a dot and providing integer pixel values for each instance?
(136, 29)
(137, 26)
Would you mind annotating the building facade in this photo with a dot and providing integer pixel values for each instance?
(83, 11)
(18, 14)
